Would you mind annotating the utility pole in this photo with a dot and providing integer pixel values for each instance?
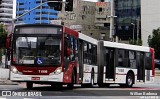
(112, 21)
(137, 29)
(41, 12)
(133, 31)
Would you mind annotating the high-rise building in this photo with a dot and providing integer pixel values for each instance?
(43, 14)
(6, 10)
(127, 22)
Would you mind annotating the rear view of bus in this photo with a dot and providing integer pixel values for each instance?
(36, 55)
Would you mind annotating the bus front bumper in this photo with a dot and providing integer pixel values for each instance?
(36, 78)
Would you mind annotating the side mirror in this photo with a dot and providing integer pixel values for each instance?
(68, 52)
(8, 43)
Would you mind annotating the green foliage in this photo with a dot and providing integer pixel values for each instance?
(3, 36)
(135, 42)
(154, 42)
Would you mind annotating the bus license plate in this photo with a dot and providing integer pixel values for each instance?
(35, 78)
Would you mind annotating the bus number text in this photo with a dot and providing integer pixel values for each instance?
(120, 70)
(42, 71)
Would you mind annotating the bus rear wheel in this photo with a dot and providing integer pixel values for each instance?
(104, 85)
(129, 80)
(29, 85)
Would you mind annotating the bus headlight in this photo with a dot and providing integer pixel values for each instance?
(57, 71)
(14, 70)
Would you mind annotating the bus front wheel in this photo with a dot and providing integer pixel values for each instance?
(29, 85)
(71, 85)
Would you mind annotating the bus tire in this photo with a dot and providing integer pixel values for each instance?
(29, 85)
(129, 80)
(59, 86)
(122, 85)
(71, 85)
(104, 85)
(53, 85)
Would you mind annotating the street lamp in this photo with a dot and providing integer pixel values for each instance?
(111, 26)
(133, 30)
(112, 16)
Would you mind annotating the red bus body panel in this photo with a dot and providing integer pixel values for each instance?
(153, 64)
(35, 70)
(68, 73)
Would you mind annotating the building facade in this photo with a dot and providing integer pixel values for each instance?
(150, 18)
(127, 22)
(6, 11)
(136, 19)
(88, 18)
(43, 14)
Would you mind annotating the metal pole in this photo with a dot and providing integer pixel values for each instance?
(41, 13)
(137, 29)
(111, 21)
(133, 32)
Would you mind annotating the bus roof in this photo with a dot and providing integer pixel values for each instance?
(27, 25)
(70, 32)
(87, 38)
(126, 46)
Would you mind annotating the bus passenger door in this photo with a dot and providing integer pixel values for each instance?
(80, 59)
(109, 59)
(140, 67)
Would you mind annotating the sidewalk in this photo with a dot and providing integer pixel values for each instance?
(4, 74)
(7, 82)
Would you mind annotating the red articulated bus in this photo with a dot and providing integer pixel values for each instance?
(57, 55)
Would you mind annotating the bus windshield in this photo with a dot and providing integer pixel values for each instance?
(43, 50)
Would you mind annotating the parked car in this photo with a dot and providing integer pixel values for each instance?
(157, 63)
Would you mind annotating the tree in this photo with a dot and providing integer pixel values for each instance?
(3, 36)
(154, 42)
(135, 42)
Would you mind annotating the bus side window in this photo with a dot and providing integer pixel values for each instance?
(148, 61)
(132, 59)
(85, 47)
(72, 47)
(120, 58)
